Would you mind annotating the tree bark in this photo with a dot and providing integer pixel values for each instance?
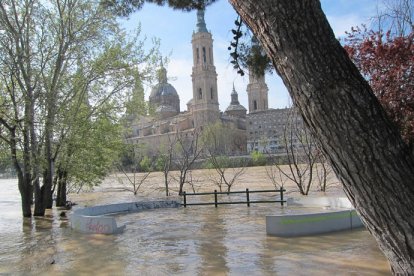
(61, 190)
(23, 181)
(364, 147)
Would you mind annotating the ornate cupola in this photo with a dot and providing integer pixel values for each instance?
(164, 98)
(235, 108)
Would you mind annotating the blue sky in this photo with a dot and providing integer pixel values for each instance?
(174, 29)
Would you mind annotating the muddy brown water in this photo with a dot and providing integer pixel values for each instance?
(197, 240)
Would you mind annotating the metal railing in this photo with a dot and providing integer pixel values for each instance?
(247, 193)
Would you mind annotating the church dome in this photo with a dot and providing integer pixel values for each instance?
(235, 108)
(163, 89)
(164, 94)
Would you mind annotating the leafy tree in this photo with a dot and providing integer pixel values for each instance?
(56, 58)
(386, 62)
(88, 153)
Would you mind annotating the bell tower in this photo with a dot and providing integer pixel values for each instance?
(257, 93)
(257, 90)
(204, 77)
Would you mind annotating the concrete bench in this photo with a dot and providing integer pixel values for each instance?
(343, 217)
(93, 219)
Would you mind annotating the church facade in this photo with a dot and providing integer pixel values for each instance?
(203, 108)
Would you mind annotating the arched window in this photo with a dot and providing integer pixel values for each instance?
(212, 93)
(200, 94)
(254, 105)
(204, 55)
(210, 55)
(198, 56)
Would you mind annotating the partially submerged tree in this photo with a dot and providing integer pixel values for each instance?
(135, 169)
(323, 173)
(227, 171)
(301, 154)
(187, 151)
(218, 145)
(165, 159)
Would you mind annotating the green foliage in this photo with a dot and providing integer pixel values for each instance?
(146, 164)
(126, 7)
(84, 67)
(247, 55)
(136, 105)
(5, 158)
(91, 150)
(220, 161)
(258, 158)
(160, 162)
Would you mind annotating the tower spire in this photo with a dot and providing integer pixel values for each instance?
(234, 97)
(162, 73)
(201, 24)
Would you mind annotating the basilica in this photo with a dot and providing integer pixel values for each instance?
(203, 108)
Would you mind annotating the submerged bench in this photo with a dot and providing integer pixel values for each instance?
(93, 219)
(342, 217)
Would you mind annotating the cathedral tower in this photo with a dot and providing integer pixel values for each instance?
(205, 104)
(257, 93)
(257, 90)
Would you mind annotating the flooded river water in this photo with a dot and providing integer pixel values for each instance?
(229, 240)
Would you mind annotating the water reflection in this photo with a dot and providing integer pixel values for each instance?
(229, 240)
(211, 248)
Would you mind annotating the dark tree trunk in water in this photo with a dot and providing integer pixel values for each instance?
(24, 182)
(61, 189)
(364, 147)
(39, 209)
(43, 194)
(26, 194)
(47, 186)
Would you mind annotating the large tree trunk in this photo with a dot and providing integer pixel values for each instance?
(363, 146)
(39, 207)
(23, 177)
(61, 190)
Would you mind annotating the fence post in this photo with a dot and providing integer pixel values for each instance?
(247, 197)
(281, 196)
(215, 198)
(185, 199)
